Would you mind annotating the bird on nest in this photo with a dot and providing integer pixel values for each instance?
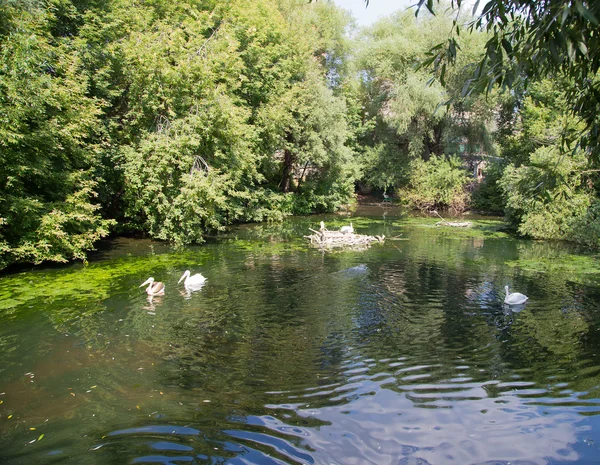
(347, 229)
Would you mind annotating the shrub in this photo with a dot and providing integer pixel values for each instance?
(488, 196)
(546, 199)
(439, 182)
(64, 230)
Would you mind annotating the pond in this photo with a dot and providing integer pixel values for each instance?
(400, 354)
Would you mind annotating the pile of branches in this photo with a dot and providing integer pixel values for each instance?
(455, 224)
(326, 239)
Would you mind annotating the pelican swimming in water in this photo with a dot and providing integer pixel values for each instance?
(192, 281)
(347, 229)
(515, 298)
(154, 288)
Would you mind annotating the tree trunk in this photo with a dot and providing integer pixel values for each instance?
(286, 176)
(288, 167)
(435, 145)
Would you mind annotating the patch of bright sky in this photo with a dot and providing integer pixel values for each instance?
(377, 9)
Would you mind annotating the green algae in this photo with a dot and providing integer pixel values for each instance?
(480, 228)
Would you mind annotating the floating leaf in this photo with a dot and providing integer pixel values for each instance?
(41, 436)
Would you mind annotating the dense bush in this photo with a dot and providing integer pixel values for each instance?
(175, 118)
(547, 198)
(548, 187)
(487, 196)
(439, 183)
(50, 137)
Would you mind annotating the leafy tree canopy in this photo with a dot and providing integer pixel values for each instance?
(533, 39)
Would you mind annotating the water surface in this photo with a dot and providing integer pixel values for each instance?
(400, 354)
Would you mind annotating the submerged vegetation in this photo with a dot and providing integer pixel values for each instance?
(176, 119)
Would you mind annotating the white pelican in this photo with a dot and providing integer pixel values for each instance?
(154, 288)
(516, 298)
(191, 282)
(347, 229)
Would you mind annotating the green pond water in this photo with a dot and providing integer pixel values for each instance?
(402, 354)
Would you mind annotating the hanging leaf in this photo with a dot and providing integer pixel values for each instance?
(585, 13)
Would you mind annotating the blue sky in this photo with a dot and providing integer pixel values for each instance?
(379, 8)
(375, 10)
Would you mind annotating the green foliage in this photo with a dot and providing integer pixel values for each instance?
(50, 134)
(213, 157)
(67, 230)
(488, 196)
(179, 118)
(437, 183)
(307, 125)
(176, 111)
(547, 199)
(542, 118)
(404, 107)
(385, 167)
(395, 95)
(549, 192)
(531, 40)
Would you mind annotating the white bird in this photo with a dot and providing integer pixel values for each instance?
(515, 298)
(347, 229)
(193, 281)
(154, 288)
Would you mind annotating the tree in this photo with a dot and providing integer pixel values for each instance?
(439, 182)
(549, 192)
(50, 138)
(232, 117)
(403, 106)
(155, 114)
(534, 39)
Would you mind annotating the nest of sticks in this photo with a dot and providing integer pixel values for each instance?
(326, 239)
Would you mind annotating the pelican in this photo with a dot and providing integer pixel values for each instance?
(347, 229)
(153, 288)
(191, 282)
(516, 298)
